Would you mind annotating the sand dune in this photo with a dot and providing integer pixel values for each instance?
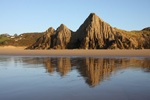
(19, 51)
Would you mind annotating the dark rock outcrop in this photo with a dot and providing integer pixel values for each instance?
(62, 37)
(43, 42)
(146, 29)
(94, 33)
(58, 39)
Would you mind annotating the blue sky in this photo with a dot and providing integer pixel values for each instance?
(21, 16)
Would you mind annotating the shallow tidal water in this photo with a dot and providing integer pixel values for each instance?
(74, 78)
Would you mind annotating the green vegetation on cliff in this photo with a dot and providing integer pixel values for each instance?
(24, 39)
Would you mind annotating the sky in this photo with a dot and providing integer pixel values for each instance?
(22, 16)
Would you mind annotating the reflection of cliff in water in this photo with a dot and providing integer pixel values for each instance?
(61, 65)
(94, 70)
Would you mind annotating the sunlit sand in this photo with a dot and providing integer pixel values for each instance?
(19, 51)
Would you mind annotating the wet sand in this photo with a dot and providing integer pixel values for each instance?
(19, 51)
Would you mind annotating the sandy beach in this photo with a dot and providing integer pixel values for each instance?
(19, 51)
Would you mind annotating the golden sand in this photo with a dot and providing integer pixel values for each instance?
(19, 51)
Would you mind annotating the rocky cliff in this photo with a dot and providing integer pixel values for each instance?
(58, 39)
(94, 33)
(44, 42)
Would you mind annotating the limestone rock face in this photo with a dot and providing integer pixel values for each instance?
(123, 42)
(144, 41)
(43, 42)
(63, 35)
(94, 33)
(58, 39)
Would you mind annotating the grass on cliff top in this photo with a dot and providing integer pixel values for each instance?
(25, 39)
(133, 34)
(3, 38)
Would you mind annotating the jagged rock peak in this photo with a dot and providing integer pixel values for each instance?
(92, 13)
(94, 33)
(50, 30)
(94, 17)
(62, 37)
(62, 27)
(92, 21)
